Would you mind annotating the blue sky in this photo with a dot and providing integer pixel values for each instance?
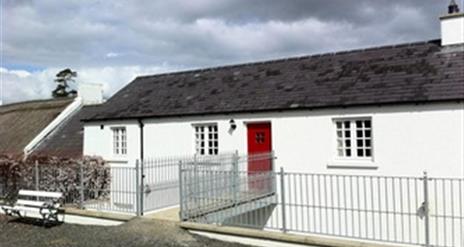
(111, 42)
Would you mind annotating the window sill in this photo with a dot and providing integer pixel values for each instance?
(353, 164)
(118, 160)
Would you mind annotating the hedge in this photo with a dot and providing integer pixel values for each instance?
(55, 174)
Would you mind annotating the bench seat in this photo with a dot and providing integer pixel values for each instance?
(46, 204)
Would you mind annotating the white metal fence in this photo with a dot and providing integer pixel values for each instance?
(406, 210)
(211, 186)
(119, 196)
(151, 184)
(160, 183)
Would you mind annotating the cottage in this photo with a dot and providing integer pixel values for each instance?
(391, 110)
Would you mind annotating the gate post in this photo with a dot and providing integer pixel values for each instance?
(426, 210)
(142, 185)
(272, 173)
(36, 175)
(81, 189)
(235, 177)
(137, 188)
(282, 198)
(196, 184)
(181, 195)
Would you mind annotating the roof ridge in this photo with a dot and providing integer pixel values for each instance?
(35, 105)
(35, 101)
(294, 58)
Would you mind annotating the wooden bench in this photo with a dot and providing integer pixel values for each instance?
(44, 203)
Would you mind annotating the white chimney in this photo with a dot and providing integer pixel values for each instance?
(452, 26)
(90, 93)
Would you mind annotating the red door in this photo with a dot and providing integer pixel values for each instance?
(259, 142)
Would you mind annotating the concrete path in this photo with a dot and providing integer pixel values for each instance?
(169, 214)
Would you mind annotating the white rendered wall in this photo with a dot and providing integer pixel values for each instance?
(99, 141)
(407, 140)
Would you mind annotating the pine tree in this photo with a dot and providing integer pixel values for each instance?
(63, 78)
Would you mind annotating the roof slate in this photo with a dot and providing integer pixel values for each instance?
(67, 140)
(419, 72)
(21, 122)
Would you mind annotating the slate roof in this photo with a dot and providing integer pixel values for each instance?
(409, 73)
(67, 140)
(21, 122)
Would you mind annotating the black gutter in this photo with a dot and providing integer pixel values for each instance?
(141, 125)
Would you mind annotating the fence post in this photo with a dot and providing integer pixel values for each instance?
(181, 196)
(196, 184)
(282, 196)
(272, 160)
(137, 188)
(37, 175)
(272, 176)
(426, 210)
(81, 186)
(235, 177)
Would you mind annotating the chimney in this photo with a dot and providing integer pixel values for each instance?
(90, 93)
(452, 26)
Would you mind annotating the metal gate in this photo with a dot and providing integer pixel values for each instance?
(158, 178)
(159, 183)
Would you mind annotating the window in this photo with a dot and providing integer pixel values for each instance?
(206, 139)
(354, 138)
(119, 141)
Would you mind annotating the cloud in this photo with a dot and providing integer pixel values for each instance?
(20, 85)
(112, 54)
(57, 33)
(126, 37)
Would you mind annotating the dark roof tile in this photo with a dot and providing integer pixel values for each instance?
(67, 140)
(384, 75)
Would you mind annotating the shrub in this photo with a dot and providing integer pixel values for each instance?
(55, 174)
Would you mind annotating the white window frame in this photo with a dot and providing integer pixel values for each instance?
(119, 140)
(353, 139)
(206, 139)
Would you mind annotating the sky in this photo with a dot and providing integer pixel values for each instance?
(112, 42)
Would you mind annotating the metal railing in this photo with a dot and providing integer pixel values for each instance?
(119, 196)
(104, 188)
(405, 210)
(211, 186)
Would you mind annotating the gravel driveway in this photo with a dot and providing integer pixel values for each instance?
(137, 232)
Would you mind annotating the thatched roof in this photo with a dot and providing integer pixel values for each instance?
(21, 122)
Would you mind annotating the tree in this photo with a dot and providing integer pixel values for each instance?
(63, 78)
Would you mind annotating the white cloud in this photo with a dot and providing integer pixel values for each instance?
(21, 85)
(113, 41)
(112, 54)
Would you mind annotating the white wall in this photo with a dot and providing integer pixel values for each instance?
(98, 141)
(406, 139)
